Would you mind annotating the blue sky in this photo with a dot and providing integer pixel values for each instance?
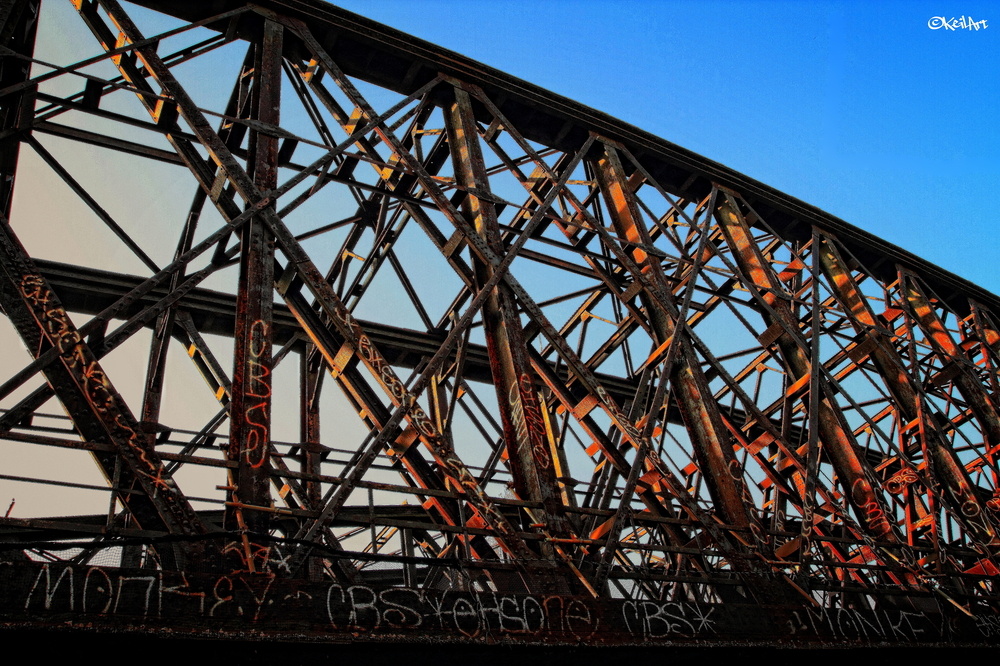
(858, 108)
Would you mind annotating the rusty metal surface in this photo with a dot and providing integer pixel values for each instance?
(356, 340)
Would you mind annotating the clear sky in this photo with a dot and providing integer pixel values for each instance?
(858, 107)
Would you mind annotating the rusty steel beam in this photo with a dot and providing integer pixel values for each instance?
(435, 354)
(98, 411)
(336, 313)
(407, 62)
(711, 442)
(947, 468)
(528, 446)
(18, 25)
(980, 401)
(250, 409)
(856, 476)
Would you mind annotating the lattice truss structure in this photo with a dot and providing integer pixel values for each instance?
(447, 341)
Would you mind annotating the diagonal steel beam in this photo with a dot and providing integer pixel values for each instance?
(713, 449)
(855, 473)
(530, 458)
(336, 314)
(470, 237)
(98, 411)
(908, 396)
(951, 354)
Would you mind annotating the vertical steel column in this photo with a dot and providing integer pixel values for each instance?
(311, 381)
(530, 458)
(18, 25)
(250, 409)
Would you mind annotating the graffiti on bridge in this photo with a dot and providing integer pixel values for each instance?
(271, 606)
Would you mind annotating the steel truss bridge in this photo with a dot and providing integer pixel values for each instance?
(334, 335)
